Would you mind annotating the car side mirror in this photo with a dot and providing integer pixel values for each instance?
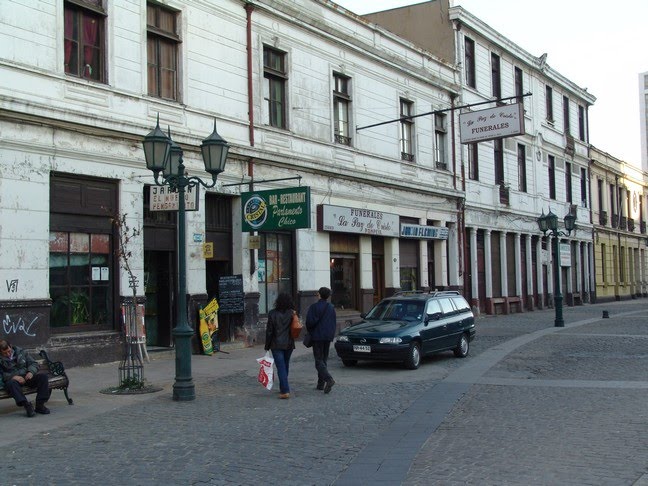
(433, 317)
(363, 315)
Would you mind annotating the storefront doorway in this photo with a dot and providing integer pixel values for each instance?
(377, 276)
(344, 281)
(160, 263)
(158, 286)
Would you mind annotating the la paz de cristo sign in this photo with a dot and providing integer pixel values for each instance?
(499, 122)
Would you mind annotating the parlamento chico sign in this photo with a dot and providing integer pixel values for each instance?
(277, 209)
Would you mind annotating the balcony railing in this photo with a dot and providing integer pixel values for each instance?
(569, 144)
(642, 227)
(631, 224)
(342, 139)
(624, 223)
(441, 165)
(406, 156)
(504, 194)
(603, 218)
(615, 220)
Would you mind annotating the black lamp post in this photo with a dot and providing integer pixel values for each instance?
(165, 156)
(549, 222)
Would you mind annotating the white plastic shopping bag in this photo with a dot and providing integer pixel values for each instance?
(265, 370)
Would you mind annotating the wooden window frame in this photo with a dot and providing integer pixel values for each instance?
(75, 13)
(276, 77)
(159, 39)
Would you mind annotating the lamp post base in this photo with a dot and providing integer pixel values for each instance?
(184, 392)
(183, 388)
(558, 303)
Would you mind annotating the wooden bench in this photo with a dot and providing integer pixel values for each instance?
(56, 377)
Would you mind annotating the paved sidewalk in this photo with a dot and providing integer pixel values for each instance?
(532, 404)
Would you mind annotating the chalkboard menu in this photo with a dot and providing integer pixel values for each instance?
(230, 294)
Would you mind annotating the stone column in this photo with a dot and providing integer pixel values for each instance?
(530, 303)
(518, 268)
(453, 256)
(586, 272)
(392, 266)
(539, 276)
(366, 274)
(488, 271)
(474, 268)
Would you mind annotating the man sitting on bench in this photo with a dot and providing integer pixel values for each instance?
(18, 369)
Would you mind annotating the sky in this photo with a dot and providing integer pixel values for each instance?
(598, 45)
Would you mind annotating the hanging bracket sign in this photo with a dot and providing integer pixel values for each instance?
(499, 122)
(163, 198)
(278, 209)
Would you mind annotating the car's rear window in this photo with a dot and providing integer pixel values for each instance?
(460, 303)
(446, 306)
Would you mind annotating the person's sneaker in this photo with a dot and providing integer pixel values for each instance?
(284, 395)
(41, 408)
(320, 385)
(329, 385)
(29, 408)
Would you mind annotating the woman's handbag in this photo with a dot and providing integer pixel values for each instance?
(308, 342)
(295, 326)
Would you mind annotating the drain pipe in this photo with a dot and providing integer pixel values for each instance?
(249, 8)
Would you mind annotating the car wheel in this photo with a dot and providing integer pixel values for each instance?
(413, 356)
(461, 351)
(349, 362)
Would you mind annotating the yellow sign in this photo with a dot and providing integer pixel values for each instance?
(208, 250)
(211, 308)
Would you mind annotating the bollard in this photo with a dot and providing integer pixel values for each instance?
(606, 315)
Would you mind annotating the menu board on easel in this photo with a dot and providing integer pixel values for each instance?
(230, 294)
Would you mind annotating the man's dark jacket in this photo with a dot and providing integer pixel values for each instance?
(321, 321)
(22, 364)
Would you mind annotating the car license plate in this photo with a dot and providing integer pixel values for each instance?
(361, 349)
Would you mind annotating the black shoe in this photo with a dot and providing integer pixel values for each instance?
(41, 408)
(320, 385)
(329, 385)
(29, 408)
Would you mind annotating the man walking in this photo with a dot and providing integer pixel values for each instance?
(321, 323)
(18, 369)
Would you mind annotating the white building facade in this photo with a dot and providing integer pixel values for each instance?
(510, 182)
(288, 84)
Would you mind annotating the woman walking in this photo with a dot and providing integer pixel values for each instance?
(279, 341)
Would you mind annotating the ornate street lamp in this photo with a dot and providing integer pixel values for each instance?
(549, 222)
(165, 156)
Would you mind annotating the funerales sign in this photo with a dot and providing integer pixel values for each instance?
(499, 122)
(163, 198)
(354, 220)
(278, 209)
(423, 232)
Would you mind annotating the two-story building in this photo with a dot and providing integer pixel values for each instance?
(619, 220)
(289, 85)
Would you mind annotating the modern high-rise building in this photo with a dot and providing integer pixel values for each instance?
(643, 118)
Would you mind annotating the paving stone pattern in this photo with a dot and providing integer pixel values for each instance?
(532, 404)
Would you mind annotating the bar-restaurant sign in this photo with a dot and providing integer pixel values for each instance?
(356, 220)
(499, 122)
(277, 209)
(163, 198)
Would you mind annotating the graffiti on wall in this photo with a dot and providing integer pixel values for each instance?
(20, 325)
(12, 285)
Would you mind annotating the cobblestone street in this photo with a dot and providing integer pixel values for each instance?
(532, 404)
